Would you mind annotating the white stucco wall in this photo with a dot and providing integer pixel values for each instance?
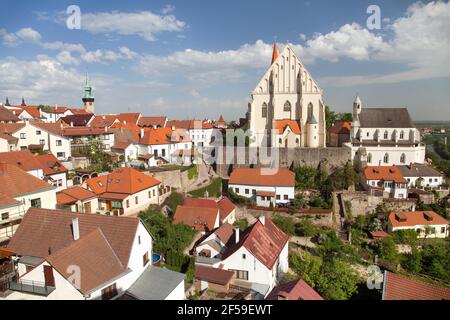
(281, 191)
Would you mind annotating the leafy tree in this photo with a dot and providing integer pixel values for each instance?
(435, 257)
(285, 224)
(376, 225)
(413, 261)
(305, 229)
(174, 200)
(388, 250)
(330, 117)
(242, 224)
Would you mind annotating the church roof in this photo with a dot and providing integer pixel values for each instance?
(281, 125)
(275, 52)
(385, 118)
(312, 119)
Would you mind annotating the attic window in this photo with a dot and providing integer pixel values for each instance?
(428, 216)
(401, 217)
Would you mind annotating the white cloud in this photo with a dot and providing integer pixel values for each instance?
(22, 35)
(168, 9)
(145, 24)
(65, 57)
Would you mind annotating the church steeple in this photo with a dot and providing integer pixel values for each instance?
(7, 102)
(23, 102)
(88, 97)
(275, 52)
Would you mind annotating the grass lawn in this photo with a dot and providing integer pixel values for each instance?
(214, 189)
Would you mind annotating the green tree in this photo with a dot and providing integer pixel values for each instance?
(388, 250)
(330, 117)
(285, 224)
(413, 261)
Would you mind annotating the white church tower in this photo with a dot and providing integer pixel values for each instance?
(286, 107)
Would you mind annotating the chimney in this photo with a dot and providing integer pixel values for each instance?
(75, 229)
(142, 133)
(71, 123)
(56, 107)
(236, 234)
(262, 219)
(124, 121)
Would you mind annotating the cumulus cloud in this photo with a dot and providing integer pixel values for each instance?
(22, 35)
(145, 24)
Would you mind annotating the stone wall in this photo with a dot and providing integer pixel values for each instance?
(173, 178)
(244, 157)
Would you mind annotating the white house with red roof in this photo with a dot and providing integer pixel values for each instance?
(59, 255)
(426, 223)
(387, 181)
(125, 191)
(53, 114)
(264, 185)
(258, 256)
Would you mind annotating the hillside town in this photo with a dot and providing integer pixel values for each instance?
(135, 206)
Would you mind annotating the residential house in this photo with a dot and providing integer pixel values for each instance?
(422, 176)
(125, 191)
(53, 114)
(54, 171)
(294, 290)
(77, 199)
(386, 181)
(25, 161)
(7, 116)
(128, 150)
(55, 252)
(227, 209)
(20, 191)
(220, 124)
(163, 142)
(7, 142)
(401, 287)
(266, 186)
(339, 133)
(200, 219)
(80, 137)
(200, 132)
(427, 224)
(258, 257)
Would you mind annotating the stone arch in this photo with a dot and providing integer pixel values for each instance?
(287, 106)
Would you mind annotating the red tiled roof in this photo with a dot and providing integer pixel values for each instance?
(55, 109)
(44, 229)
(23, 159)
(55, 128)
(96, 259)
(50, 165)
(201, 219)
(225, 207)
(379, 234)
(123, 181)
(399, 287)
(225, 232)
(281, 125)
(7, 115)
(11, 127)
(163, 136)
(74, 194)
(294, 290)
(32, 111)
(80, 111)
(131, 117)
(121, 145)
(78, 120)
(84, 131)
(265, 242)
(416, 218)
(8, 137)
(102, 121)
(152, 121)
(386, 173)
(6, 200)
(15, 182)
(341, 127)
(213, 275)
(280, 177)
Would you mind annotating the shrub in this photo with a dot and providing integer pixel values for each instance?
(285, 224)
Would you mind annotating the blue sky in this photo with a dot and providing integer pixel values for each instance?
(203, 58)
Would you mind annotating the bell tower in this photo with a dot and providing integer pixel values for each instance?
(88, 97)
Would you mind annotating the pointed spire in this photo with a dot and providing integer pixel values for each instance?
(7, 102)
(357, 99)
(275, 52)
(23, 102)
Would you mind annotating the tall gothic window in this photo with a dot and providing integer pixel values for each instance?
(403, 158)
(386, 158)
(264, 110)
(310, 110)
(287, 106)
(402, 134)
(369, 158)
(386, 134)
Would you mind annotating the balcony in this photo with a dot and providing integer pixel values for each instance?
(29, 286)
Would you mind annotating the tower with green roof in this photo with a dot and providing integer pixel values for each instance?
(88, 97)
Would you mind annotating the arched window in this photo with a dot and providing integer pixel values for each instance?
(287, 106)
(386, 135)
(369, 158)
(310, 110)
(386, 158)
(402, 134)
(297, 141)
(403, 158)
(264, 110)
